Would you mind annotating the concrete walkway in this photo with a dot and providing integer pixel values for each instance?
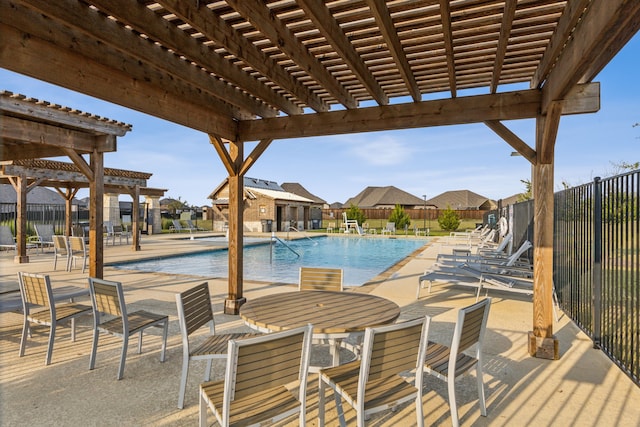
(583, 388)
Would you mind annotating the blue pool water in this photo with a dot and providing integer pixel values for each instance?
(361, 259)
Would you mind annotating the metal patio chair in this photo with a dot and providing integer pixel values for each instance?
(108, 298)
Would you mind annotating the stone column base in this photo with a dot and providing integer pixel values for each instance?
(232, 306)
(543, 348)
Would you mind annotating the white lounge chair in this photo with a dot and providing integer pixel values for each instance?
(8, 242)
(390, 228)
(44, 236)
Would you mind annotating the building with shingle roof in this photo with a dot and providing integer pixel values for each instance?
(269, 207)
(384, 198)
(297, 188)
(462, 200)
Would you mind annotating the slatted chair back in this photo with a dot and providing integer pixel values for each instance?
(258, 381)
(6, 238)
(36, 290)
(387, 351)
(194, 310)
(77, 250)
(393, 349)
(45, 232)
(262, 364)
(107, 298)
(470, 327)
(320, 279)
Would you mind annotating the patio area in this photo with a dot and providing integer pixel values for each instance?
(582, 388)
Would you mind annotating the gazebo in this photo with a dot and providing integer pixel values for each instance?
(244, 71)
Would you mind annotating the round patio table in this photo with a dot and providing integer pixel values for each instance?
(334, 315)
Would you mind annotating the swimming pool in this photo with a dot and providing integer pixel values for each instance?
(361, 259)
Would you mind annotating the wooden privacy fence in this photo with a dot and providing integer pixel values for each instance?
(414, 214)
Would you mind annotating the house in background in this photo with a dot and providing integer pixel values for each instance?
(462, 200)
(384, 198)
(268, 207)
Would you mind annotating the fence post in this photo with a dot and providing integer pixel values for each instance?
(597, 261)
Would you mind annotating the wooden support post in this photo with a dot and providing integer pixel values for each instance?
(96, 215)
(235, 298)
(20, 185)
(135, 220)
(542, 342)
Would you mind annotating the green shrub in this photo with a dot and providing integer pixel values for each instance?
(449, 220)
(399, 217)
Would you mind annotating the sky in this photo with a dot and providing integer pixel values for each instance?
(426, 161)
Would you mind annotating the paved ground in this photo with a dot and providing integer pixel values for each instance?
(583, 388)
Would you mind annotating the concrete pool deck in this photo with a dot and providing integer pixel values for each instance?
(582, 388)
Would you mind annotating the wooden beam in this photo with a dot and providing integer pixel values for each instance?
(252, 158)
(505, 32)
(383, 18)
(62, 115)
(463, 110)
(150, 63)
(549, 133)
(25, 54)
(324, 21)
(227, 161)
(570, 16)
(144, 20)
(447, 34)
(215, 28)
(81, 164)
(513, 140)
(20, 185)
(601, 33)
(48, 135)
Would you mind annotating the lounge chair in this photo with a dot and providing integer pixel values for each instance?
(8, 242)
(265, 380)
(448, 363)
(44, 236)
(36, 291)
(178, 228)
(195, 311)
(192, 227)
(390, 228)
(108, 298)
(374, 383)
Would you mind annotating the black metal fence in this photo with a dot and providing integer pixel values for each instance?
(41, 214)
(597, 264)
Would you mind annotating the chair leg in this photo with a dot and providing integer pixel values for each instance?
(123, 356)
(52, 337)
(164, 340)
(23, 340)
(481, 398)
(203, 410)
(451, 383)
(140, 342)
(207, 372)
(419, 411)
(183, 380)
(321, 393)
(94, 348)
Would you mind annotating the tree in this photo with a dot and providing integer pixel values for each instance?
(449, 220)
(528, 194)
(399, 217)
(175, 206)
(356, 213)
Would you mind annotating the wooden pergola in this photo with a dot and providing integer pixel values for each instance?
(31, 129)
(242, 70)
